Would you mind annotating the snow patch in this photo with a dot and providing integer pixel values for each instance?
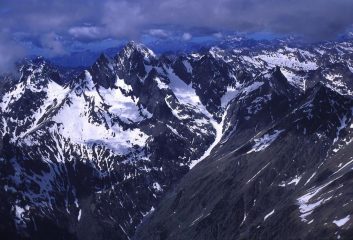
(75, 119)
(293, 79)
(332, 76)
(252, 87)
(187, 66)
(343, 125)
(20, 219)
(288, 60)
(149, 212)
(230, 94)
(295, 181)
(307, 208)
(161, 85)
(342, 221)
(184, 93)
(265, 141)
(157, 187)
(79, 215)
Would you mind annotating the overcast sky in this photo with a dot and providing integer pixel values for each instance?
(54, 26)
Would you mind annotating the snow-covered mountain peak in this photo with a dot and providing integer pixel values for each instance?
(104, 149)
(133, 47)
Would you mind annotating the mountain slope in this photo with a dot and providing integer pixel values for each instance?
(91, 155)
(282, 180)
(113, 139)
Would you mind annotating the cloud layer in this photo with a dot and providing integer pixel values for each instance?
(129, 18)
(50, 23)
(9, 53)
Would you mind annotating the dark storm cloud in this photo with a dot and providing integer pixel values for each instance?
(49, 22)
(9, 53)
(98, 19)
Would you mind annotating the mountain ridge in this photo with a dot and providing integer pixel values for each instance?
(103, 147)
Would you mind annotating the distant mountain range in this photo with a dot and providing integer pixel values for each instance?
(176, 45)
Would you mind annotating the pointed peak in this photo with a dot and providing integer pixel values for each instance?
(37, 65)
(322, 91)
(216, 52)
(277, 77)
(132, 44)
(39, 71)
(39, 60)
(278, 83)
(133, 47)
(322, 87)
(103, 71)
(103, 59)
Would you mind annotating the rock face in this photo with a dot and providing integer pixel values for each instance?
(282, 170)
(100, 150)
(265, 131)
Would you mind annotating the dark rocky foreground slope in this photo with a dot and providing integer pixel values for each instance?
(265, 130)
(290, 179)
(283, 171)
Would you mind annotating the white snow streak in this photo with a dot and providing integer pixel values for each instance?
(219, 133)
(268, 215)
(258, 173)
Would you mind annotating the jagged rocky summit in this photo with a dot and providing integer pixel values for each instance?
(106, 153)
